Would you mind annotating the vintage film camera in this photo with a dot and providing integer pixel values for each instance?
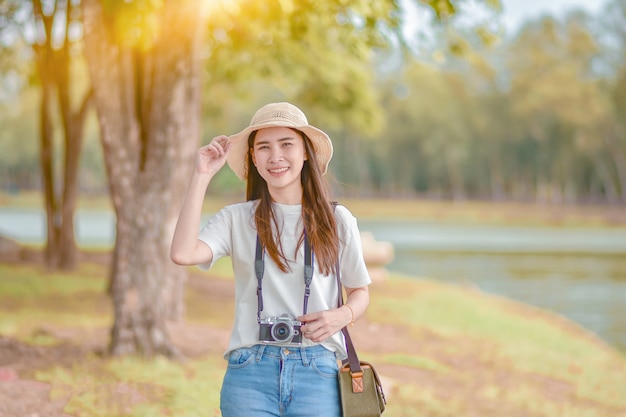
(283, 329)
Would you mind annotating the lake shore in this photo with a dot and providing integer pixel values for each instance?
(420, 209)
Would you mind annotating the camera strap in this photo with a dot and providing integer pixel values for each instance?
(259, 269)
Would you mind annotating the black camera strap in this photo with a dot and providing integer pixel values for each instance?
(259, 269)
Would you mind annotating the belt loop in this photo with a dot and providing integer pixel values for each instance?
(259, 352)
(303, 355)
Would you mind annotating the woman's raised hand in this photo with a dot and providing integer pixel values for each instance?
(212, 157)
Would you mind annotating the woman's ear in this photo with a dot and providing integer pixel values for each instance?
(251, 150)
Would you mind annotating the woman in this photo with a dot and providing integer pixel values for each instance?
(286, 336)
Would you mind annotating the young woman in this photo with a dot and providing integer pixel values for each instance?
(286, 336)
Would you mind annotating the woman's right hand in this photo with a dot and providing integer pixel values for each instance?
(212, 157)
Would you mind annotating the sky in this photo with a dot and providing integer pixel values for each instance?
(516, 11)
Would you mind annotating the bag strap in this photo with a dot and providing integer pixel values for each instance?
(353, 359)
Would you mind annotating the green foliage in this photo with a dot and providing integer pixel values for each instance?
(317, 53)
(536, 116)
(529, 119)
(19, 163)
(12, 48)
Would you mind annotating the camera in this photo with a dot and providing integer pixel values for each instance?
(283, 329)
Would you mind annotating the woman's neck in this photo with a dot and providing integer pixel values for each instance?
(287, 196)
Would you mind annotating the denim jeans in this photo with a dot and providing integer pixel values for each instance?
(265, 380)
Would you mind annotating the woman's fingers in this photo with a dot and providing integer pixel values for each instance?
(212, 157)
(321, 325)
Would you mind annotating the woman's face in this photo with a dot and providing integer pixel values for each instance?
(278, 154)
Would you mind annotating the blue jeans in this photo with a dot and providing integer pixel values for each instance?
(264, 381)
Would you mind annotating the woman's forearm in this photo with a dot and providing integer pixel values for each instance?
(356, 303)
(186, 249)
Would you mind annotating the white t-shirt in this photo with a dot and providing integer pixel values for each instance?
(232, 232)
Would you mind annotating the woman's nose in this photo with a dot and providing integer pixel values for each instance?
(276, 154)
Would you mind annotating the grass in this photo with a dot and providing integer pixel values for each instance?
(137, 387)
(26, 283)
(466, 353)
(31, 299)
(525, 339)
(415, 361)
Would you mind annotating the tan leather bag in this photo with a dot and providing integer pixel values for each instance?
(361, 393)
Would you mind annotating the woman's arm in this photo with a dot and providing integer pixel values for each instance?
(357, 302)
(186, 248)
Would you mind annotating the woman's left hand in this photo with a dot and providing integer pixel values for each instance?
(321, 325)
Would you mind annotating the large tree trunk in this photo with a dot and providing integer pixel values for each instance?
(149, 107)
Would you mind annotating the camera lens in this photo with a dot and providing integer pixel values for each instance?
(282, 332)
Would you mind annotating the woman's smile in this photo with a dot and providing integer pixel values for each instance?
(278, 171)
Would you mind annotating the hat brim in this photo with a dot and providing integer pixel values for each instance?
(237, 156)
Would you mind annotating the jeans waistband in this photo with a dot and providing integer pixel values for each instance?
(292, 353)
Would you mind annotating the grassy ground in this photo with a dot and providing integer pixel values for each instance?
(441, 350)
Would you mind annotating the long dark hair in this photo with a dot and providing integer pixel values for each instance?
(317, 211)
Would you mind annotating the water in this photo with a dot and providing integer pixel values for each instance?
(579, 273)
(93, 228)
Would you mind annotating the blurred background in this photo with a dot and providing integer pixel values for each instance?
(484, 140)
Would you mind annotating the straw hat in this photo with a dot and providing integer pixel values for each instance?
(278, 115)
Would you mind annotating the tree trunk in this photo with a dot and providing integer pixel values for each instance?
(607, 185)
(496, 179)
(44, 58)
(47, 172)
(611, 140)
(74, 138)
(454, 175)
(53, 67)
(149, 108)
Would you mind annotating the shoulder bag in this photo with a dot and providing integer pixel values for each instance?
(360, 389)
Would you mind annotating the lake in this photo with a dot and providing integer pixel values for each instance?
(579, 273)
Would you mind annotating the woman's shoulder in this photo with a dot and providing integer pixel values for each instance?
(343, 214)
(240, 209)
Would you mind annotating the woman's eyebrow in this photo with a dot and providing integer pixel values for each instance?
(265, 142)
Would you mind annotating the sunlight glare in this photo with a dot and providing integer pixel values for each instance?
(222, 6)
